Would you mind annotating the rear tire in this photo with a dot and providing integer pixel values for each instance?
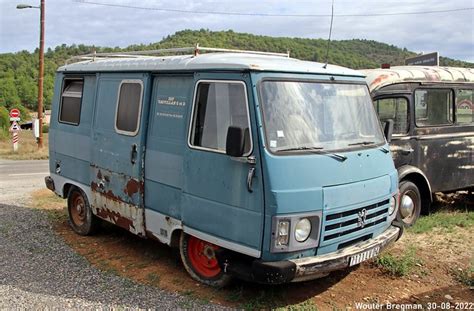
(81, 218)
(199, 260)
(410, 203)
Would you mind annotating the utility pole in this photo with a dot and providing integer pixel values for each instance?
(40, 69)
(41, 76)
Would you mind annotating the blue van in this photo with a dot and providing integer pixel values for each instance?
(253, 164)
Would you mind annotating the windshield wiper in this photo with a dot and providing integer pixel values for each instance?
(317, 150)
(300, 148)
(362, 143)
(367, 143)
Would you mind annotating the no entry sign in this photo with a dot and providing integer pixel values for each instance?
(14, 115)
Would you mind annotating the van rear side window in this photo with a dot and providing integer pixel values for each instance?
(433, 107)
(71, 100)
(128, 107)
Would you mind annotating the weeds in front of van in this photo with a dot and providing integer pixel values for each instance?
(27, 147)
(465, 275)
(444, 220)
(266, 299)
(305, 305)
(153, 278)
(400, 265)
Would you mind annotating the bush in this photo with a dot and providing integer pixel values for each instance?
(45, 128)
(4, 122)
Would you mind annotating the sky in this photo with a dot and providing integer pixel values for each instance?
(74, 21)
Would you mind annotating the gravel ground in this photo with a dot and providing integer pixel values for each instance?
(38, 270)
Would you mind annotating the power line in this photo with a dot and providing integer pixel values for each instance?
(268, 14)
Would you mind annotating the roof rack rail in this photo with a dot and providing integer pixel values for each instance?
(195, 50)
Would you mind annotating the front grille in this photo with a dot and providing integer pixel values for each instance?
(347, 222)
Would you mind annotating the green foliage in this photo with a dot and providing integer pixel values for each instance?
(45, 128)
(399, 265)
(4, 122)
(19, 71)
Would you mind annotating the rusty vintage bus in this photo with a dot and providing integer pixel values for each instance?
(433, 137)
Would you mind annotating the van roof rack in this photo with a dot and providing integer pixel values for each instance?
(195, 50)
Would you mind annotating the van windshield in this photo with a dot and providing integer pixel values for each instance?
(318, 116)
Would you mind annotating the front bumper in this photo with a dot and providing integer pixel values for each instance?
(312, 267)
(308, 268)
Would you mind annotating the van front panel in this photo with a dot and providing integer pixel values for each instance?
(342, 185)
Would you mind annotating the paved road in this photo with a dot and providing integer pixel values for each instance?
(39, 271)
(18, 178)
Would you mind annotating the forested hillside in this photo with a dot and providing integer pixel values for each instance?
(18, 71)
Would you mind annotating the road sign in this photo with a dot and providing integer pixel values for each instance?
(431, 59)
(15, 127)
(15, 115)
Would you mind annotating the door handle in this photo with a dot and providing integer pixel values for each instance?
(250, 176)
(407, 151)
(133, 154)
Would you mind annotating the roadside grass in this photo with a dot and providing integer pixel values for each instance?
(399, 265)
(445, 220)
(465, 275)
(27, 148)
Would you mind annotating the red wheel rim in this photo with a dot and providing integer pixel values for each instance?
(202, 256)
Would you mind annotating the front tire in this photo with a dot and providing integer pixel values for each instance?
(200, 261)
(81, 218)
(410, 203)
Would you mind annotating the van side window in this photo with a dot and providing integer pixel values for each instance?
(395, 109)
(219, 105)
(71, 100)
(464, 107)
(433, 107)
(128, 107)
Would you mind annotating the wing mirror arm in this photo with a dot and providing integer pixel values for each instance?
(388, 129)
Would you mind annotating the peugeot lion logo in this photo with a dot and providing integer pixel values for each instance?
(361, 218)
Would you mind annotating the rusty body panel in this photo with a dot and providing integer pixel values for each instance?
(379, 78)
(444, 153)
(119, 208)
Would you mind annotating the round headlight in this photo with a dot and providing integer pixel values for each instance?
(393, 205)
(302, 230)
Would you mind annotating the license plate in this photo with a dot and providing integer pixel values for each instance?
(357, 259)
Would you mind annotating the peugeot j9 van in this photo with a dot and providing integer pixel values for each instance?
(254, 165)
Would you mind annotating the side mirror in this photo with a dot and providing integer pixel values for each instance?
(235, 141)
(388, 129)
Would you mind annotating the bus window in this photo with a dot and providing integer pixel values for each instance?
(464, 107)
(433, 107)
(395, 109)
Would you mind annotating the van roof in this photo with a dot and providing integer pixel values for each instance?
(378, 78)
(207, 61)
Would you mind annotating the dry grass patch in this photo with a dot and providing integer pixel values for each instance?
(27, 148)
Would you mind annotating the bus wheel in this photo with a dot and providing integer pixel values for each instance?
(410, 203)
(81, 219)
(199, 259)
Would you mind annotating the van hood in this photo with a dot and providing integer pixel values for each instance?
(311, 182)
